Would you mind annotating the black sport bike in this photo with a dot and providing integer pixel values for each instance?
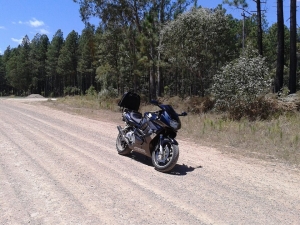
(152, 135)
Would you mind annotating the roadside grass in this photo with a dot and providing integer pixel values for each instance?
(276, 139)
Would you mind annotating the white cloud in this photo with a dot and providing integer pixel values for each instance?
(19, 41)
(33, 22)
(2, 27)
(43, 31)
(36, 23)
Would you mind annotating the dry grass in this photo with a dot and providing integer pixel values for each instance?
(277, 139)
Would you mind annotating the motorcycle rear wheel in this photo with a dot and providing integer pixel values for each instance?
(122, 146)
(167, 161)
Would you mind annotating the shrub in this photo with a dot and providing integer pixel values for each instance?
(91, 91)
(241, 83)
(107, 93)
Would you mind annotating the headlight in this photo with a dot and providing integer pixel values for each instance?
(174, 124)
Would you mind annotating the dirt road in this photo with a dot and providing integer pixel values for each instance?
(57, 168)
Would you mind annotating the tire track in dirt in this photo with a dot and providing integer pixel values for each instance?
(27, 131)
(36, 187)
(79, 156)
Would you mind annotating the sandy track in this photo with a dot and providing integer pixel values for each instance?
(57, 168)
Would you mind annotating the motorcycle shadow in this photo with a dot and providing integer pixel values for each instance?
(183, 169)
(178, 170)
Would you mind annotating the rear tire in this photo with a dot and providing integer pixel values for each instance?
(167, 161)
(122, 146)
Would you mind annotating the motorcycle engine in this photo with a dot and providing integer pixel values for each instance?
(130, 136)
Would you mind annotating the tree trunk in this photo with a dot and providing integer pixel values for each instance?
(259, 28)
(159, 74)
(152, 84)
(280, 47)
(293, 50)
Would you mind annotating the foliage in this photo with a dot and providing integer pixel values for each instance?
(71, 90)
(91, 91)
(240, 83)
(107, 94)
(52, 63)
(196, 41)
(67, 60)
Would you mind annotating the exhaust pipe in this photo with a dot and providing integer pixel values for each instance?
(122, 134)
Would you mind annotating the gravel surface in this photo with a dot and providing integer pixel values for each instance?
(58, 168)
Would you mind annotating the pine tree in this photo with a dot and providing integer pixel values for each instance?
(280, 47)
(53, 83)
(293, 47)
(67, 61)
(38, 55)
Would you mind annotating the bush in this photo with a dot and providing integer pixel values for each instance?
(91, 91)
(241, 83)
(107, 93)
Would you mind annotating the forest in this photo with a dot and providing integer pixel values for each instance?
(158, 48)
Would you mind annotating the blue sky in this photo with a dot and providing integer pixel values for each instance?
(21, 17)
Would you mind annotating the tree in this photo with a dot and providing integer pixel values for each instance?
(86, 58)
(53, 83)
(293, 47)
(3, 82)
(140, 22)
(242, 4)
(22, 79)
(195, 43)
(67, 60)
(38, 54)
(259, 27)
(280, 47)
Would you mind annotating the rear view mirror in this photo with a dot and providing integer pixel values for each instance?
(154, 102)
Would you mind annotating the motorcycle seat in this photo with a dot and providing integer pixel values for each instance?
(136, 116)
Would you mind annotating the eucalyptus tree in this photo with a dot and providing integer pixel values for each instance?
(67, 61)
(53, 83)
(195, 45)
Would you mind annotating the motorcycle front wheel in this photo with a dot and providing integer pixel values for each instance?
(122, 146)
(166, 160)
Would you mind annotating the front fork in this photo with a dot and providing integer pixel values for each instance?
(163, 153)
(161, 144)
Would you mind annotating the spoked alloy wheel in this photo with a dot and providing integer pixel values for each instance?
(122, 146)
(166, 160)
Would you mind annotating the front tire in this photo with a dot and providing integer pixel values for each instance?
(122, 146)
(166, 161)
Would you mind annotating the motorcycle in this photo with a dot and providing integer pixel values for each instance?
(152, 134)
